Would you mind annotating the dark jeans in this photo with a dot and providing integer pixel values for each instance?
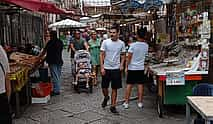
(5, 115)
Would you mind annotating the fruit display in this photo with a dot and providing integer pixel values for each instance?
(18, 75)
(25, 59)
(20, 66)
(14, 67)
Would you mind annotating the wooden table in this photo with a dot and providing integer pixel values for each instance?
(203, 105)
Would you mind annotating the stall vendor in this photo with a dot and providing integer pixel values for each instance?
(53, 51)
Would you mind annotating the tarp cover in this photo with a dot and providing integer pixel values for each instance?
(35, 5)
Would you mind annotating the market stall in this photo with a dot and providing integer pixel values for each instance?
(21, 67)
(23, 32)
(180, 62)
(22, 36)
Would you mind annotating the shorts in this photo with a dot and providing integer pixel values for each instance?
(135, 77)
(113, 76)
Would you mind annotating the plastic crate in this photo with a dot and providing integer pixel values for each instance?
(41, 89)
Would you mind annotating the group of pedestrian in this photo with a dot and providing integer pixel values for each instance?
(110, 54)
(92, 46)
(53, 50)
(112, 58)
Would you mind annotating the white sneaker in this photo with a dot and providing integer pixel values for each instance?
(125, 105)
(74, 83)
(140, 105)
(87, 85)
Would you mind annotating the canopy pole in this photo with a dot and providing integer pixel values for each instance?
(210, 73)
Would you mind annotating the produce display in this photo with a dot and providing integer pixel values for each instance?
(25, 59)
(14, 67)
(22, 65)
(18, 76)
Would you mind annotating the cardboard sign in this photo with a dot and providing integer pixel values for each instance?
(175, 78)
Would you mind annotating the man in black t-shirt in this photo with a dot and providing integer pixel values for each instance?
(54, 59)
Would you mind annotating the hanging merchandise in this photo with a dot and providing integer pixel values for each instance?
(206, 29)
(204, 59)
(160, 26)
(183, 62)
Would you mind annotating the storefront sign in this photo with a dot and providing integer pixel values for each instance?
(175, 78)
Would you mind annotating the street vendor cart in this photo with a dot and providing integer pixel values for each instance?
(173, 91)
(177, 74)
(175, 82)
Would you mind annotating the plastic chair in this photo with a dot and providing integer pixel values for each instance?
(203, 89)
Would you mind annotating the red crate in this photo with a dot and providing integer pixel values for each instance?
(42, 89)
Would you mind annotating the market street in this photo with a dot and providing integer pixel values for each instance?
(52, 49)
(74, 108)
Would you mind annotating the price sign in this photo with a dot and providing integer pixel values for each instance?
(175, 78)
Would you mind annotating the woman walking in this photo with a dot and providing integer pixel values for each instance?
(94, 49)
(135, 67)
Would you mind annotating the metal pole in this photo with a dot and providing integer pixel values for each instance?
(210, 73)
(188, 113)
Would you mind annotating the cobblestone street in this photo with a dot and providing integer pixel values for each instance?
(83, 108)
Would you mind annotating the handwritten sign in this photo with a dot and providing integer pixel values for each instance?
(175, 78)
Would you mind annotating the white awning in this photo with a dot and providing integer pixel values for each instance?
(67, 23)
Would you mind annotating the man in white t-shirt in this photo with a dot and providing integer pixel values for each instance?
(112, 58)
(135, 67)
(5, 89)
